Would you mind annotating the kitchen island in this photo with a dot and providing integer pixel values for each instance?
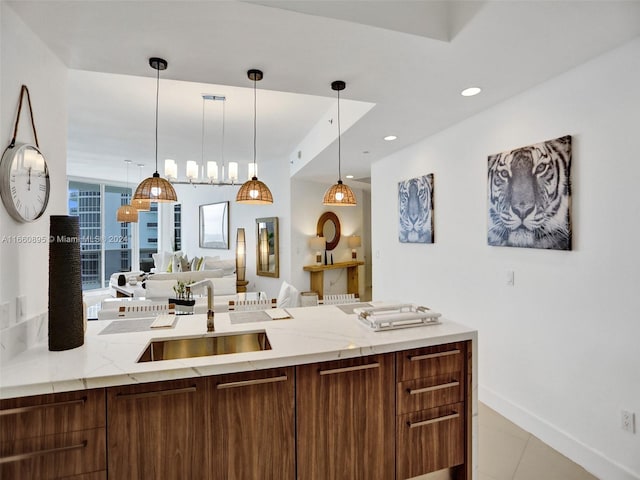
(327, 388)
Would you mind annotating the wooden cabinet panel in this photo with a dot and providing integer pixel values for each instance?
(430, 440)
(425, 393)
(430, 361)
(157, 431)
(53, 456)
(345, 419)
(51, 414)
(253, 425)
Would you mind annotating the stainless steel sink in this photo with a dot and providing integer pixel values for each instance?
(190, 347)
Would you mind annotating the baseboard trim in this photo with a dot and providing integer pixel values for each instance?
(593, 461)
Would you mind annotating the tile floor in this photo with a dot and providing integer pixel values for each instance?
(509, 453)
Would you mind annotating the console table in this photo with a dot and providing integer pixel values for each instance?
(316, 275)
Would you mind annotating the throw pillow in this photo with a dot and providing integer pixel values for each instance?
(289, 296)
(185, 265)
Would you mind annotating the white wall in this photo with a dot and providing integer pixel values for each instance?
(275, 175)
(306, 208)
(26, 60)
(558, 352)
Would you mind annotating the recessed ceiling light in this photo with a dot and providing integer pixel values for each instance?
(470, 92)
(349, 176)
(389, 138)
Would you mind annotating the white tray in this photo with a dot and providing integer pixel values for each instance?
(402, 315)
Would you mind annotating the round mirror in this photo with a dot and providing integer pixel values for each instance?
(329, 228)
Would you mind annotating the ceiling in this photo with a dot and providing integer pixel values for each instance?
(404, 64)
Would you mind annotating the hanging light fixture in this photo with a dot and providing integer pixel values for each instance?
(156, 188)
(127, 213)
(141, 204)
(254, 192)
(339, 194)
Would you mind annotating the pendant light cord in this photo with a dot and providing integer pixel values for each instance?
(255, 114)
(157, 97)
(339, 145)
(203, 164)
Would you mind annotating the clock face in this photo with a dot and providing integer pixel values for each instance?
(24, 182)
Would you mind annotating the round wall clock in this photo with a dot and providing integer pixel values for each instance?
(24, 182)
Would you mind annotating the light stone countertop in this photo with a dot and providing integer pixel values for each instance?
(314, 334)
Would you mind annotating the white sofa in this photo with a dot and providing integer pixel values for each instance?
(158, 288)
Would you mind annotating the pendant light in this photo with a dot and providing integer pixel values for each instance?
(254, 192)
(339, 194)
(141, 204)
(156, 188)
(127, 213)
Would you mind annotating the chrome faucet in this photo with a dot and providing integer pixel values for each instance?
(209, 284)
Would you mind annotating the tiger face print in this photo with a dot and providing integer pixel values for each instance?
(415, 199)
(529, 196)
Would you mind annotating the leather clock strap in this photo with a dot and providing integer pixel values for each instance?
(33, 125)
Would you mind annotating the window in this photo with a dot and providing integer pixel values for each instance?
(105, 244)
(148, 236)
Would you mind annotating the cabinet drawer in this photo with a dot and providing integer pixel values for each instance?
(51, 414)
(431, 392)
(430, 440)
(430, 361)
(54, 456)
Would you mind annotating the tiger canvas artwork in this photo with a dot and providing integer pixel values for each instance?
(415, 200)
(529, 194)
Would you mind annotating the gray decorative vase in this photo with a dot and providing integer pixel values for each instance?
(66, 323)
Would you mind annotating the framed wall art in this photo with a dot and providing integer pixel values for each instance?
(529, 196)
(415, 201)
(214, 225)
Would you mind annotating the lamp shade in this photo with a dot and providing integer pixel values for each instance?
(354, 241)
(192, 170)
(212, 171)
(317, 243)
(156, 189)
(241, 255)
(339, 195)
(233, 171)
(254, 192)
(127, 213)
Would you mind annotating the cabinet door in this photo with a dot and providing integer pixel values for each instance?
(52, 436)
(253, 425)
(346, 419)
(157, 431)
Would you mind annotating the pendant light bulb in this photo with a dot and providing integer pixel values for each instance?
(339, 194)
(253, 191)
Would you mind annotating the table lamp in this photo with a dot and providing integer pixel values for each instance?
(354, 242)
(318, 244)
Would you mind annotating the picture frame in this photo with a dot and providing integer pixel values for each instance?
(214, 225)
(529, 196)
(415, 210)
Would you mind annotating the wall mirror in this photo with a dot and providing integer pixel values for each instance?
(267, 262)
(214, 225)
(329, 228)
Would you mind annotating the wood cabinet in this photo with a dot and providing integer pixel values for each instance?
(236, 426)
(53, 436)
(253, 425)
(157, 430)
(345, 419)
(433, 411)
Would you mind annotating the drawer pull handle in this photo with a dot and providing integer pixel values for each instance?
(66, 403)
(429, 356)
(246, 383)
(416, 391)
(159, 393)
(28, 456)
(433, 420)
(349, 369)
